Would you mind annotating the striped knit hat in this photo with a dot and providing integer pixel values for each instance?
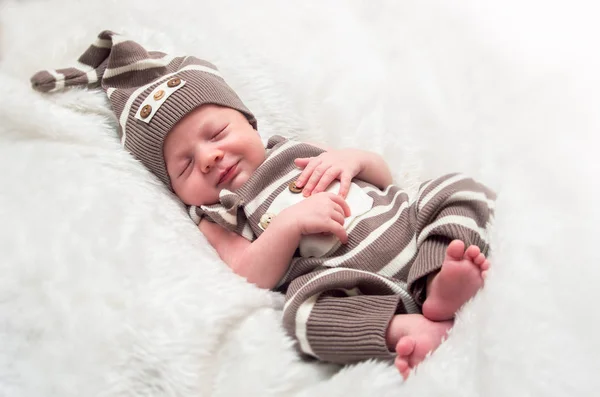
(149, 91)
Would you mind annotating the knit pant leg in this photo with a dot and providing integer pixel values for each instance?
(448, 208)
(342, 315)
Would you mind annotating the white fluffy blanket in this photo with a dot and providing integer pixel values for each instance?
(108, 289)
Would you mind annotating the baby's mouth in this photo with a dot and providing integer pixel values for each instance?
(227, 175)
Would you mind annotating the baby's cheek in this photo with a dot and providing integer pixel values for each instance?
(181, 192)
(184, 190)
(240, 180)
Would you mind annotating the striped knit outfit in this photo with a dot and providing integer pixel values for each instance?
(338, 306)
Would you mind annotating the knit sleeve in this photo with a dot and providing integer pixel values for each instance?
(228, 213)
(276, 141)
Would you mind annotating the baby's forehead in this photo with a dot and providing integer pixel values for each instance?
(176, 144)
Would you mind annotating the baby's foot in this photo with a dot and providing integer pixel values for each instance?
(460, 277)
(414, 337)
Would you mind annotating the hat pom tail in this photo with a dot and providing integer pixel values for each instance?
(87, 72)
(45, 81)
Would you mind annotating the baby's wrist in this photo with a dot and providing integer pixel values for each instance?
(287, 223)
(362, 160)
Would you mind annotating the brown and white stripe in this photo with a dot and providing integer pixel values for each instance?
(129, 74)
(338, 307)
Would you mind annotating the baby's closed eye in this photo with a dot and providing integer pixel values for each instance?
(187, 165)
(219, 133)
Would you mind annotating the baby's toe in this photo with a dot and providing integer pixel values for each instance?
(402, 366)
(472, 252)
(479, 259)
(405, 346)
(485, 265)
(455, 250)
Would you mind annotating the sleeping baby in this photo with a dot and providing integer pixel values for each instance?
(367, 271)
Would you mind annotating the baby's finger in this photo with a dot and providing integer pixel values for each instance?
(339, 231)
(339, 209)
(314, 179)
(308, 170)
(329, 176)
(338, 217)
(345, 181)
(342, 203)
(302, 161)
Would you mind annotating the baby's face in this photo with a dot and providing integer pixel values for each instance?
(210, 149)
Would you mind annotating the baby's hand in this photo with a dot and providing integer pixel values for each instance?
(320, 213)
(320, 171)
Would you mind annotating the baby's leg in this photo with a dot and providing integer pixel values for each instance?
(413, 336)
(450, 208)
(458, 280)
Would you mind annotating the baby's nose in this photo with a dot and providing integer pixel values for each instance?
(211, 161)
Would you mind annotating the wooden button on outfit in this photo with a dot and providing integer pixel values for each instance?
(266, 219)
(174, 82)
(293, 188)
(146, 110)
(159, 94)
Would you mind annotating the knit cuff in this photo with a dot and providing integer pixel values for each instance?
(429, 259)
(349, 329)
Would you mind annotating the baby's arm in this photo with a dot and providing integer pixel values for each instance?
(228, 245)
(374, 168)
(262, 262)
(265, 260)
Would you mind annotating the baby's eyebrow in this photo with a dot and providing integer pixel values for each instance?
(206, 129)
(208, 125)
(177, 156)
